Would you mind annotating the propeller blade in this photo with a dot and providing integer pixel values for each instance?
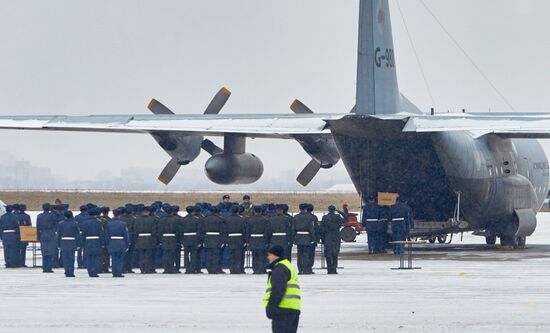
(169, 171)
(309, 172)
(158, 108)
(299, 107)
(211, 147)
(218, 101)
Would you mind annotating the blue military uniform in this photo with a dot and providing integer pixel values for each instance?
(9, 233)
(400, 224)
(381, 233)
(24, 221)
(118, 241)
(370, 220)
(68, 236)
(46, 233)
(79, 218)
(93, 241)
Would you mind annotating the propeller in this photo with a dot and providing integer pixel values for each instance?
(299, 107)
(313, 167)
(215, 106)
(158, 108)
(218, 101)
(211, 147)
(309, 172)
(169, 171)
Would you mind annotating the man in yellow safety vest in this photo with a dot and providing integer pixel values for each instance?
(282, 299)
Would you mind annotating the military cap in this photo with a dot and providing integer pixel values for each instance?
(9, 208)
(258, 209)
(68, 214)
(246, 197)
(83, 208)
(46, 206)
(331, 208)
(22, 207)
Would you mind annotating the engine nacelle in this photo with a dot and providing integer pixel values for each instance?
(234, 169)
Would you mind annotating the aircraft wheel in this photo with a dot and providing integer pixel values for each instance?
(441, 239)
(348, 234)
(432, 240)
(491, 240)
(521, 241)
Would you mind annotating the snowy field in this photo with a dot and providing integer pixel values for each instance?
(462, 287)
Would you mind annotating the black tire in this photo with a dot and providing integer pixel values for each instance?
(491, 239)
(348, 234)
(441, 239)
(432, 240)
(521, 242)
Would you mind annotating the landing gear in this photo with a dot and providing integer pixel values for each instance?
(441, 239)
(521, 241)
(432, 240)
(491, 239)
(508, 241)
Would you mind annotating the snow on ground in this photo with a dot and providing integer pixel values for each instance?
(463, 287)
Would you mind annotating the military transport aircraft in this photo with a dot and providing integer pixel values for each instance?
(491, 161)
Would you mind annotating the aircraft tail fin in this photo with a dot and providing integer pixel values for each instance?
(377, 89)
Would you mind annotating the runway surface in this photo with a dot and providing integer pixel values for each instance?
(463, 287)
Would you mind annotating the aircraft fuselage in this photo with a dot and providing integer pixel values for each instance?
(496, 176)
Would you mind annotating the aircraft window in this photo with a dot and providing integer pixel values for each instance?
(506, 163)
(507, 171)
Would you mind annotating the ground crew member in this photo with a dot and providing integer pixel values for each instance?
(105, 259)
(93, 242)
(168, 240)
(118, 240)
(9, 233)
(258, 234)
(303, 229)
(190, 235)
(282, 299)
(235, 228)
(146, 235)
(68, 236)
(45, 232)
(330, 237)
(214, 237)
(24, 221)
(130, 221)
(370, 220)
(280, 227)
(79, 218)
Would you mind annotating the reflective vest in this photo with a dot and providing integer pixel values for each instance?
(291, 298)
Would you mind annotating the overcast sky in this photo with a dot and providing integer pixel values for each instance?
(110, 57)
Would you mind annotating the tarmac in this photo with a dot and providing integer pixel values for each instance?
(465, 286)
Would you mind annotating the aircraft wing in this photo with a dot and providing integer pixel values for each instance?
(512, 125)
(282, 126)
